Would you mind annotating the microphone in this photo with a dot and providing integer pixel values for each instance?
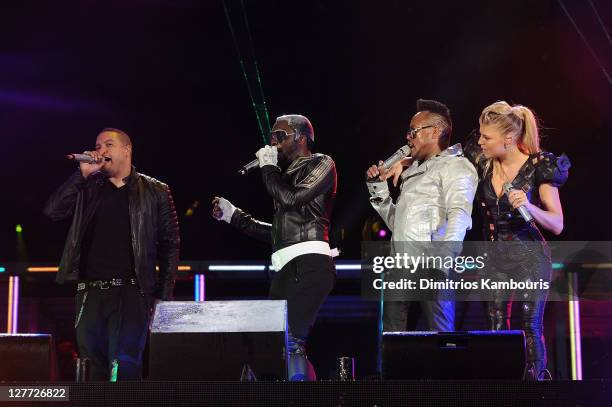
(83, 158)
(249, 167)
(507, 187)
(398, 155)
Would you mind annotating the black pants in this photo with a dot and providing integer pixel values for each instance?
(532, 321)
(113, 324)
(304, 282)
(522, 261)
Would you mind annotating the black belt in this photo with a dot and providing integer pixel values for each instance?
(106, 284)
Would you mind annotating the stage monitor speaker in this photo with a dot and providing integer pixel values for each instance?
(26, 357)
(453, 355)
(214, 340)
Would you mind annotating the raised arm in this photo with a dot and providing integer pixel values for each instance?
(320, 179)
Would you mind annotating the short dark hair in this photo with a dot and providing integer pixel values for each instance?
(125, 139)
(123, 136)
(443, 113)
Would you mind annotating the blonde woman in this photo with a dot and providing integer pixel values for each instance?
(506, 150)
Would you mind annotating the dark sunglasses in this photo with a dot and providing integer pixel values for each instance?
(279, 135)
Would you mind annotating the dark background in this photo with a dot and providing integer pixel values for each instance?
(168, 74)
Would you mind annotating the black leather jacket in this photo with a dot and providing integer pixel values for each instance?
(154, 227)
(303, 198)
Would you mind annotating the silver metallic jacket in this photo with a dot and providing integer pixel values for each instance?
(435, 202)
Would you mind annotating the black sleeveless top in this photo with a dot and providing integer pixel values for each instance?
(500, 220)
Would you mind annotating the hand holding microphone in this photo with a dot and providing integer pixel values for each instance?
(391, 167)
(89, 162)
(518, 200)
(267, 155)
(376, 173)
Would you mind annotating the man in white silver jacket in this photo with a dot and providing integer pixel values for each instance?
(434, 204)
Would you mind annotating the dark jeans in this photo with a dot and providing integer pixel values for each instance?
(113, 325)
(437, 307)
(439, 315)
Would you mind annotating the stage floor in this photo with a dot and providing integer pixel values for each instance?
(330, 393)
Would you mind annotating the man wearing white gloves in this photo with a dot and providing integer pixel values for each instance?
(303, 187)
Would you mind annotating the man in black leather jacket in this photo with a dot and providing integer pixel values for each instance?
(123, 223)
(303, 187)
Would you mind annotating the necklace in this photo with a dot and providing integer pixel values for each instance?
(503, 175)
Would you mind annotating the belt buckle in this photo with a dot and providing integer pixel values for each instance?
(104, 285)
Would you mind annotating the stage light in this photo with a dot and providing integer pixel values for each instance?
(236, 268)
(344, 266)
(574, 327)
(200, 287)
(9, 316)
(348, 266)
(196, 286)
(382, 233)
(179, 268)
(19, 228)
(557, 266)
(42, 269)
(189, 212)
(597, 266)
(13, 305)
(2, 269)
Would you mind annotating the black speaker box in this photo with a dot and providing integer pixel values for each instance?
(453, 355)
(26, 357)
(215, 340)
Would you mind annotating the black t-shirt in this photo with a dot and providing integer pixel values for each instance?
(107, 244)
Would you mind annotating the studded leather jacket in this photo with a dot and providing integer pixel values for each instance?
(500, 220)
(303, 197)
(153, 220)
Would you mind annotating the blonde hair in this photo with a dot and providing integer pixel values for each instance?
(517, 121)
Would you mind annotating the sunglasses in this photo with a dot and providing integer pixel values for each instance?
(412, 133)
(279, 136)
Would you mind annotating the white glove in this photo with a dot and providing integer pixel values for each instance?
(267, 156)
(223, 209)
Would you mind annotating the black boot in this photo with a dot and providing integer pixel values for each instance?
(300, 368)
(533, 315)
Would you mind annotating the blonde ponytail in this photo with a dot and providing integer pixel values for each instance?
(517, 121)
(529, 142)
